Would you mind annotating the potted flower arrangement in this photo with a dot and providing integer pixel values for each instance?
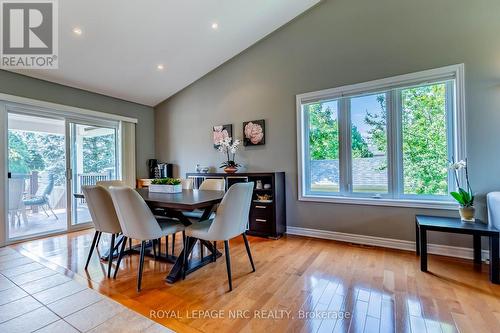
(229, 147)
(464, 197)
(166, 185)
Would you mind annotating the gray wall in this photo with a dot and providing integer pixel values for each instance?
(336, 43)
(20, 85)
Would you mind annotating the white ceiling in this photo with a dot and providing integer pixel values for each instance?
(123, 41)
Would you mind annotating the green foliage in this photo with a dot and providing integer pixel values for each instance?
(18, 151)
(229, 164)
(425, 156)
(425, 153)
(98, 153)
(324, 135)
(464, 198)
(36, 151)
(166, 181)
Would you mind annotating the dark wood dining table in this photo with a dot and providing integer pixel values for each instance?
(174, 204)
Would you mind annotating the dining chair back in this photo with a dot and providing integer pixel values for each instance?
(108, 183)
(101, 209)
(187, 184)
(135, 217)
(104, 218)
(493, 204)
(232, 215)
(230, 221)
(138, 222)
(213, 185)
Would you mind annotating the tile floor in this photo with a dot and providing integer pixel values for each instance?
(34, 298)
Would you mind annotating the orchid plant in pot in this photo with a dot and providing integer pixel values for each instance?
(463, 196)
(229, 147)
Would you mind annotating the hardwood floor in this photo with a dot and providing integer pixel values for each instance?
(376, 290)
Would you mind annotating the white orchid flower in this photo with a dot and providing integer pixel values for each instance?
(458, 165)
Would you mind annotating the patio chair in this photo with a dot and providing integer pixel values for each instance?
(43, 199)
(16, 206)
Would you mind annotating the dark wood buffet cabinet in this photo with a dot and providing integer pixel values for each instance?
(267, 217)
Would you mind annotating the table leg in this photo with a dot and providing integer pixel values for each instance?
(206, 213)
(176, 271)
(417, 238)
(116, 249)
(477, 248)
(423, 249)
(494, 259)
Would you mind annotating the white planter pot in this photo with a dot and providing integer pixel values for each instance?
(165, 188)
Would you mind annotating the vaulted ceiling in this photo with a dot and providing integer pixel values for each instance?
(146, 51)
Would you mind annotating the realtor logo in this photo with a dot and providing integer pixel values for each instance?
(29, 34)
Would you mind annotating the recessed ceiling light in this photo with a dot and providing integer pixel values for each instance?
(215, 26)
(77, 31)
(160, 67)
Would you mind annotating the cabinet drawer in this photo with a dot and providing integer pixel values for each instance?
(260, 210)
(261, 224)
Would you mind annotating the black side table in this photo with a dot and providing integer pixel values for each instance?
(455, 225)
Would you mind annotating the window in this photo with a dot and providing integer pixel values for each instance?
(382, 142)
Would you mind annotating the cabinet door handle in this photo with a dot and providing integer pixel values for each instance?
(260, 220)
(261, 207)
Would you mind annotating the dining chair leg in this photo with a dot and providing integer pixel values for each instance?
(97, 234)
(111, 252)
(130, 244)
(184, 260)
(214, 255)
(228, 265)
(141, 265)
(159, 246)
(120, 256)
(202, 252)
(166, 244)
(153, 244)
(173, 243)
(248, 251)
(98, 239)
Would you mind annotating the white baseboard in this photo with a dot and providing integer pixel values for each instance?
(444, 250)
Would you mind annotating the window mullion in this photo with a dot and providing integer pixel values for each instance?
(345, 147)
(396, 143)
(453, 152)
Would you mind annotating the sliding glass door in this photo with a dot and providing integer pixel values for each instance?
(50, 158)
(93, 158)
(37, 176)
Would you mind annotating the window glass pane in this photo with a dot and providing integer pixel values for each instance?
(94, 159)
(323, 147)
(425, 146)
(369, 143)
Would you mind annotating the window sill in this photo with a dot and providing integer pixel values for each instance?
(405, 203)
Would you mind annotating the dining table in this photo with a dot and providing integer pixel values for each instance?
(174, 205)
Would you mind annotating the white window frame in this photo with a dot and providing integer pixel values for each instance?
(457, 136)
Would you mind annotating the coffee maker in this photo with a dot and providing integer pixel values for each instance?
(159, 169)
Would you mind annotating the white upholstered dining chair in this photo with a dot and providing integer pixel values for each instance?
(104, 218)
(187, 184)
(138, 222)
(213, 185)
(108, 183)
(230, 221)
